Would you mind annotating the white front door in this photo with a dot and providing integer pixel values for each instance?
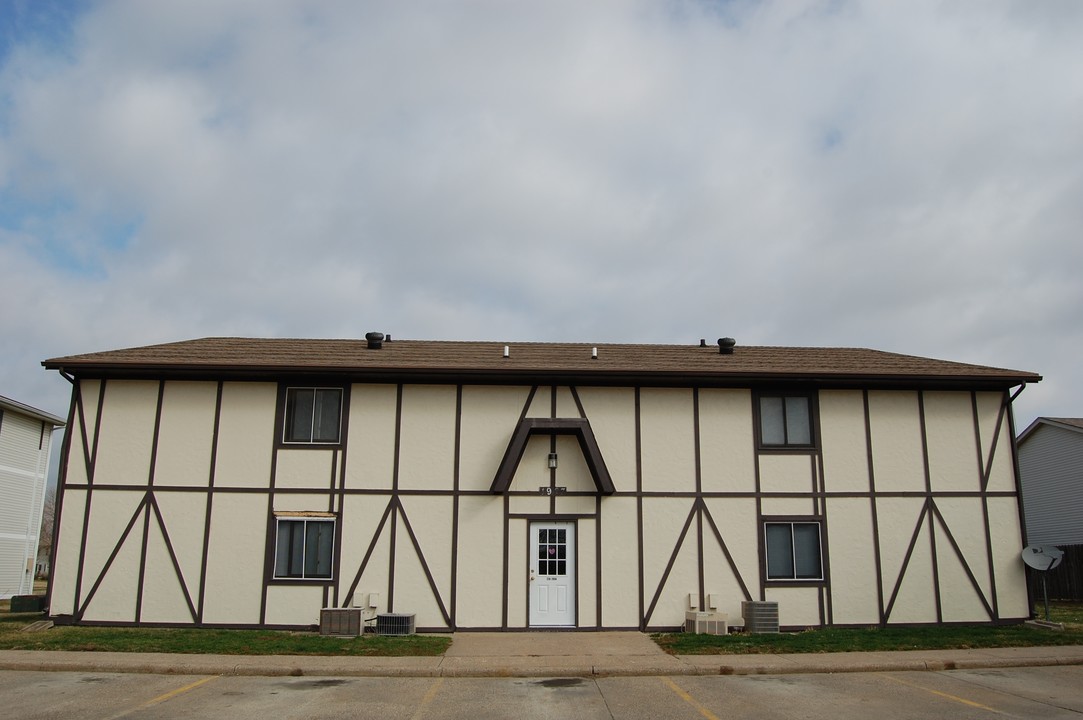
(552, 574)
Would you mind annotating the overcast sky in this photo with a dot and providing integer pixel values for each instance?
(906, 176)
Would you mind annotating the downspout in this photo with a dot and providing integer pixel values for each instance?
(61, 479)
(1019, 489)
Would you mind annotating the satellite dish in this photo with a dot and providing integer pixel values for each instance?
(1042, 557)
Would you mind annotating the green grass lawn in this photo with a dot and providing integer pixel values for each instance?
(207, 640)
(889, 638)
(275, 642)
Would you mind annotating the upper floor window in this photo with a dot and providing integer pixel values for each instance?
(785, 420)
(313, 415)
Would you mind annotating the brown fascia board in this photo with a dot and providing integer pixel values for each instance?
(537, 376)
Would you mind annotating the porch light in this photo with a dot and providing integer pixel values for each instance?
(552, 461)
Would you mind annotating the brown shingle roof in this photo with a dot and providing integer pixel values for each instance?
(227, 356)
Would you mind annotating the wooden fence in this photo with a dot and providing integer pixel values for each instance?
(1064, 582)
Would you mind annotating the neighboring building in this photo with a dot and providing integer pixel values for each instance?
(25, 436)
(480, 485)
(1051, 474)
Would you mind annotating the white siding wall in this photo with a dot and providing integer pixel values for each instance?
(24, 459)
(1051, 470)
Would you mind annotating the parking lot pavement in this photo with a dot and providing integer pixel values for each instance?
(1050, 692)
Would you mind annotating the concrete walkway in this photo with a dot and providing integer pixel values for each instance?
(540, 655)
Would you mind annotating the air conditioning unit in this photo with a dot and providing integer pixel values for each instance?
(760, 616)
(705, 623)
(343, 622)
(394, 624)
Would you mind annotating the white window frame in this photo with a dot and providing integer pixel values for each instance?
(305, 518)
(312, 422)
(793, 551)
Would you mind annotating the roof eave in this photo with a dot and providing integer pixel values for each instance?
(535, 375)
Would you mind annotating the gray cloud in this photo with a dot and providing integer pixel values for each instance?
(836, 173)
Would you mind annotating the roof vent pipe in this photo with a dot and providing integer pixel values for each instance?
(725, 346)
(375, 340)
(703, 342)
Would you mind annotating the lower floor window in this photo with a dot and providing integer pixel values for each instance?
(304, 547)
(793, 551)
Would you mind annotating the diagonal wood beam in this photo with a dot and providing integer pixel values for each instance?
(577, 427)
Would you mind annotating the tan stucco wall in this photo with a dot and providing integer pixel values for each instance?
(489, 417)
(620, 570)
(668, 440)
(853, 561)
(481, 561)
(66, 565)
(127, 431)
(425, 434)
(612, 418)
(427, 442)
(235, 559)
(787, 473)
(842, 432)
(895, 425)
(371, 445)
(949, 423)
(115, 597)
(727, 449)
(246, 434)
(186, 435)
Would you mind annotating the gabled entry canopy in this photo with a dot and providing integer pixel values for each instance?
(579, 427)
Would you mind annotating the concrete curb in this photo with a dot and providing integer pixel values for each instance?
(551, 666)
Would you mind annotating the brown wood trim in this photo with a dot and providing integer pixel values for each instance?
(368, 552)
(874, 510)
(455, 480)
(929, 490)
(639, 509)
(672, 559)
(395, 500)
(172, 556)
(962, 560)
(827, 605)
(80, 610)
(726, 551)
(1009, 401)
(597, 560)
(987, 470)
(61, 488)
(649, 494)
(150, 495)
(578, 427)
(906, 560)
(424, 565)
(91, 466)
(578, 402)
(985, 474)
(210, 503)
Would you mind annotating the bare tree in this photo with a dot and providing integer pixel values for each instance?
(45, 536)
